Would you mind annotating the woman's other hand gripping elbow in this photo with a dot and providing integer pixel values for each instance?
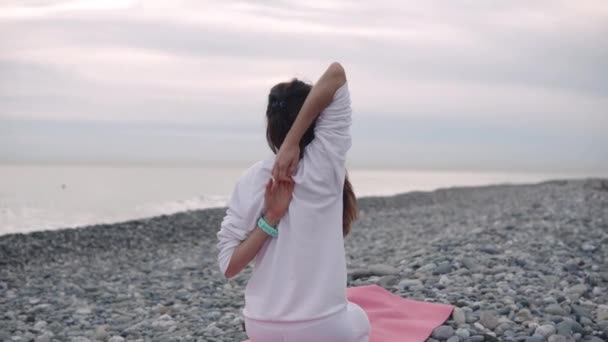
(277, 197)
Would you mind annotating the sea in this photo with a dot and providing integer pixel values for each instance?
(36, 197)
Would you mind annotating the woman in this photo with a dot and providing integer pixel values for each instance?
(297, 291)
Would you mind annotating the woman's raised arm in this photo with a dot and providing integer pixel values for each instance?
(318, 99)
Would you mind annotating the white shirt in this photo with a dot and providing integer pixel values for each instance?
(300, 274)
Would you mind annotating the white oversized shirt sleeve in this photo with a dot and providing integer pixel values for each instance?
(244, 206)
(332, 139)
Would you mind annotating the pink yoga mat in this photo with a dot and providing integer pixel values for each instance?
(397, 319)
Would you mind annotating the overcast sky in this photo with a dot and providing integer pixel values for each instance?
(518, 85)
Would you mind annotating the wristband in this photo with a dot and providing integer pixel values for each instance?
(268, 229)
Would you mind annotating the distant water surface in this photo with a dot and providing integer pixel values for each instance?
(41, 197)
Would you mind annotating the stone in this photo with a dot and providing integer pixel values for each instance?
(83, 311)
(588, 247)
(55, 327)
(535, 338)
(442, 268)
(382, 270)
(40, 326)
(557, 338)
(116, 338)
(407, 283)
(454, 338)
(578, 289)
(477, 338)
(602, 313)
(443, 332)
(509, 333)
(489, 249)
(579, 310)
(488, 319)
(555, 309)
(503, 319)
(567, 327)
(444, 280)
(426, 268)
(213, 330)
(359, 273)
(163, 322)
(489, 337)
(388, 281)
(545, 330)
(46, 337)
(522, 316)
(469, 263)
(479, 326)
(463, 333)
(586, 320)
(502, 327)
(590, 338)
(41, 307)
(101, 333)
(80, 339)
(459, 316)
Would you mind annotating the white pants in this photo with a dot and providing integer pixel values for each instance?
(349, 325)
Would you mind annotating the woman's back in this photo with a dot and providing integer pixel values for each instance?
(301, 274)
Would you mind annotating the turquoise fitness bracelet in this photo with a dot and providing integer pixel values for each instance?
(268, 229)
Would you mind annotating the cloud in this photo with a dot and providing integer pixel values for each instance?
(36, 9)
(537, 65)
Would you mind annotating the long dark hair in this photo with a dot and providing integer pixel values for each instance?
(284, 103)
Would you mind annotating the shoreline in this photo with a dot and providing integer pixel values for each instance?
(363, 198)
(518, 261)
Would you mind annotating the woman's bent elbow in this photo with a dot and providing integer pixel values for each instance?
(231, 272)
(337, 71)
(228, 275)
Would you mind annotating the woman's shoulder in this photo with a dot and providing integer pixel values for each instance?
(257, 172)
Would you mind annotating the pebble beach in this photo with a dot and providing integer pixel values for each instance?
(518, 262)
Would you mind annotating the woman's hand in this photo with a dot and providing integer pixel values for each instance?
(286, 162)
(276, 200)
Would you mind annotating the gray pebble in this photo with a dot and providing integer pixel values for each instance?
(427, 267)
(459, 316)
(80, 339)
(45, 337)
(454, 338)
(555, 309)
(383, 270)
(588, 247)
(406, 283)
(578, 289)
(463, 333)
(545, 330)
(535, 338)
(488, 319)
(443, 332)
(523, 315)
(442, 268)
(557, 338)
(602, 313)
(388, 281)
